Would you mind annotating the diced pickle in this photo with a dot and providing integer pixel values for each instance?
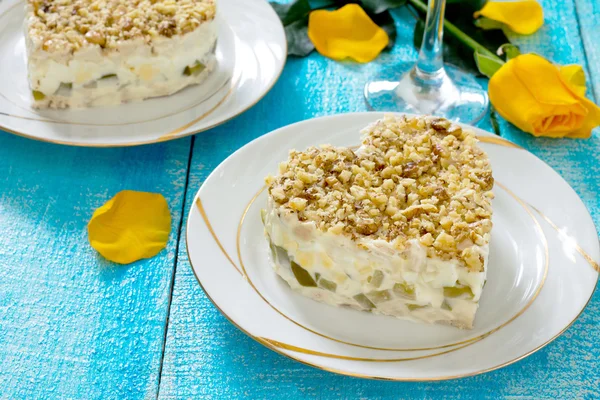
(413, 307)
(263, 214)
(458, 291)
(194, 69)
(279, 254)
(379, 296)
(377, 278)
(302, 276)
(326, 284)
(273, 251)
(38, 95)
(64, 89)
(404, 290)
(446, 306)
(364, 302)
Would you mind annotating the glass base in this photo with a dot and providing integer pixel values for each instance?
(450, 93)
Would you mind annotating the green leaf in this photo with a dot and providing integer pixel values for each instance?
(488, 24)
(495, 126)
(291, 12)
(386, 22)
(298, 41)
(379, 6)
(316, 4)
(510, 50)
(455, 52)
(468, 6)
(486, 64)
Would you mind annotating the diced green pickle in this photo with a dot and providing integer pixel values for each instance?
(194, 69)
(377, 278)
(302, 276)
(65, 86)
(273, 251)
(379, 296)
(38, 95)
(446, 306)
(413, 307)
(108, 76)
(404, 290)
(279, 254)
(457, 291)
(263, 214)
(326, 284)
(364, 302)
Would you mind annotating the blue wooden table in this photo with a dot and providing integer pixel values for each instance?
(73, 325)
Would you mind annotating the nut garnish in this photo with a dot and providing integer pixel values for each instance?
(68, 25)
(412, 178)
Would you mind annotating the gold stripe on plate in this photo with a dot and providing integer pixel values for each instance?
(497, 140)
(302, 350)
(577, 247)
(61, 122)
(212, 232)
(175, 132)
(467, 341)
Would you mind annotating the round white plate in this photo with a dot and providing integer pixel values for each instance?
(251, 53)
(542, 271)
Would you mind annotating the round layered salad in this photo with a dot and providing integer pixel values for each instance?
(400, 226)
(84, 53)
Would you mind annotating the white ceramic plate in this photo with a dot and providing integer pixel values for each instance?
(251, 53)
(542, 271)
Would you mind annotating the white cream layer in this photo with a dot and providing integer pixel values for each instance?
(340, 260)
(142, 70)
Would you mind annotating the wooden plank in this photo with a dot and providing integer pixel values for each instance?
(72, 324)
(206, 357)
(588, 12)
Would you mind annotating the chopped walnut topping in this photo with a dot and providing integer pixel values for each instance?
(412, 178)
(68, 25)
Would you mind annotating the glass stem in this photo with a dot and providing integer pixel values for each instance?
(431, 62)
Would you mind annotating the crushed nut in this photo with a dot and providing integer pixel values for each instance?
(69, 25)
(412, 178)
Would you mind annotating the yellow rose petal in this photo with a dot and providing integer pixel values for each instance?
(130, 226)
(534, 95)
(524, 17)
(346, 33)
(574, 76)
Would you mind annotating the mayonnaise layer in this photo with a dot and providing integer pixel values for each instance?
(134, 71)
(371, 274)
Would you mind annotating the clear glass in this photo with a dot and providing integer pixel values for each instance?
(429, 86)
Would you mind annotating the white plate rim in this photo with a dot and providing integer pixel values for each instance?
(491, 139)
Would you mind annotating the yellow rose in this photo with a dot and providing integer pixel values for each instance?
(543, 99)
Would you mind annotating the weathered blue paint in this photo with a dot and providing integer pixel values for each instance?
(74, 326)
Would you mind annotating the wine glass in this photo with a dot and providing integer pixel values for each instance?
(429, 86)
